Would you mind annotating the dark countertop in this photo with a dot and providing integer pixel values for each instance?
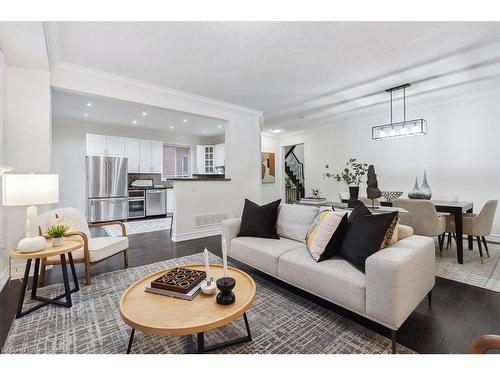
(201, 179)
(149, 188)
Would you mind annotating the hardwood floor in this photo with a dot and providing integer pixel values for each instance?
(459, 312)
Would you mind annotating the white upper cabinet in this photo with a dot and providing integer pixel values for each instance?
(105, 145)
(96, 144)
(145, 156)
(219, 155)
(200, 159)
(115, 146)
(133, 154)
(156, 156)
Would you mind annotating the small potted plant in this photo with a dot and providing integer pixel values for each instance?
(57, 232)
(352, 176)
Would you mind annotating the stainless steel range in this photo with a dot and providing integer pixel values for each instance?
(154, 198)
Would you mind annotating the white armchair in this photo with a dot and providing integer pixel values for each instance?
(94, 250)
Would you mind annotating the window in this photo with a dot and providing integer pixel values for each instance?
(176, 161)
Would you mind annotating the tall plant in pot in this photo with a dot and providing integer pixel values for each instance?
(352, 175)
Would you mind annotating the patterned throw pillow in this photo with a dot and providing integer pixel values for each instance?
(391, 235)
(322, 230)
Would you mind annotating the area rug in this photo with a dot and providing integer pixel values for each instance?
(281, 322)
(140, 226)
(472, 272)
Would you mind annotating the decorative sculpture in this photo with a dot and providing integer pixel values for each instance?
(372, 190)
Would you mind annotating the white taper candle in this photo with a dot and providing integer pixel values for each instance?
(224, 256)
(207, 265)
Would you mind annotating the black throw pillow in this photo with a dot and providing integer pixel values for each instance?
(335, 243)
(259, 221)
(365, 233)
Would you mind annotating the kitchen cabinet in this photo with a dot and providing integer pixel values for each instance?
(105, 145)
(96, 144)
(170, 201)
(132, 152)
(156, 156)
(115, 146)
(219, 155)
(145, 156)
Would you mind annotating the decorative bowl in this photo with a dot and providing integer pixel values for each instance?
(390, 195)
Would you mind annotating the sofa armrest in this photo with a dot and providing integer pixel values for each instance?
(230, 229)
(398, 278)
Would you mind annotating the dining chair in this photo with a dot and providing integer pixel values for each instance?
(447, 198)
(425, 220)
(477, 225)
(94, 249)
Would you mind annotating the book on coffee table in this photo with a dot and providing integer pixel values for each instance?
(189, 296)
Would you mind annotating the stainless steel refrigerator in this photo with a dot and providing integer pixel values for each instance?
(106, 188)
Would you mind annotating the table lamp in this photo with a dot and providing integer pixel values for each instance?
(30, 190)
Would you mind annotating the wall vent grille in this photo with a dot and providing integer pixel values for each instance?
(209, 219)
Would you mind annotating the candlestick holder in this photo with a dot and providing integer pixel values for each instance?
(226, 286)
(208, 287)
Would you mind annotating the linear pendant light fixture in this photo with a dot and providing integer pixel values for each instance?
(399, 129)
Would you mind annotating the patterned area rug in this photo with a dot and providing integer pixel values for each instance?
(140, 226)
(280, 321)
(472, 272)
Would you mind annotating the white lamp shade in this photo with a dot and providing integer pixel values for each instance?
(30, 189)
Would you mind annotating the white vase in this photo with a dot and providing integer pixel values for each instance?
(425, 189)
(56, 242)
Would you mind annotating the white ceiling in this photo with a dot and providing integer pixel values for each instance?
(289, 70)
(74, 106)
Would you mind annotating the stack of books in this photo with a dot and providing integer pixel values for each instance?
(179, 282)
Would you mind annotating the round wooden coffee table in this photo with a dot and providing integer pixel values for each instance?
(168, 316)
(67, 247)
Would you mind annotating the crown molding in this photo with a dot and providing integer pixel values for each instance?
(63, 68)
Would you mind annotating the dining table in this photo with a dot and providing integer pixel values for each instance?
(456, 209)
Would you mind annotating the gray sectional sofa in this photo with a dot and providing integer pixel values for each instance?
(397, 278)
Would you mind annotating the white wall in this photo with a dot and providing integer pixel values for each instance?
(26, 135)
(68, 153)
(272, 192)
(460, 152)
(4, 259)
(242, 135)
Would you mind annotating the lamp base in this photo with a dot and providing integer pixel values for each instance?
(31, 215)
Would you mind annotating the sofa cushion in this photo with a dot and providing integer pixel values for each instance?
(328, 223)
(334, 279)
(365, 233)
(294, 221)
(259, 221)
(262, 253)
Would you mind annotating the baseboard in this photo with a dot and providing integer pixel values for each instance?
(4, 278)
(494, 238)
(206, 232)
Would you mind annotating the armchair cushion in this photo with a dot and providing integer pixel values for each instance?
(100, 248)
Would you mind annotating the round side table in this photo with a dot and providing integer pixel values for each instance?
(67, 247)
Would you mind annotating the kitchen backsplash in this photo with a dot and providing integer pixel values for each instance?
(156, 177)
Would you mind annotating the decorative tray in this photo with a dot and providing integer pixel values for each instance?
(180, 280)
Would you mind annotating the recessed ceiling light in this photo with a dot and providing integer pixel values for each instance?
(184, 120)
(219, 126)
(276, 131)
(171, 127)
(89, 104)
(204, 131)
(85, 114)
(144, 113)
(134, 122)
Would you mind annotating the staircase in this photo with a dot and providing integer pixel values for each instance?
(294, 169)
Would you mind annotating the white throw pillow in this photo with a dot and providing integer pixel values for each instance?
(319, 236)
